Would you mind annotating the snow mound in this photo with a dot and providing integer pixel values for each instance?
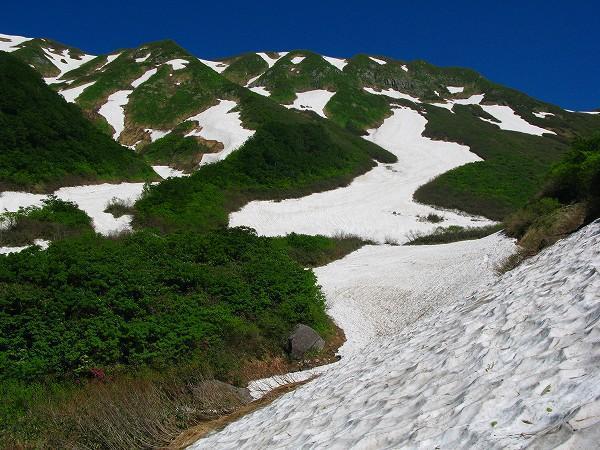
(178, 64)
(378, 61)
(312, 101)
(336, 62)
(217, 66)
(72, 94)
(9, 43)
(511, 366)
(377, 205)
(218, 123)
(114, 113)
(298, 59)
(393, 93)
(455, 89)
(509, 120)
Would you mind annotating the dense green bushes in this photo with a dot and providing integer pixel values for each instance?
(55, 219)
(46, 142)
(144, 300)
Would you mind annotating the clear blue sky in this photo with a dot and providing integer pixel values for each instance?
(549, 49)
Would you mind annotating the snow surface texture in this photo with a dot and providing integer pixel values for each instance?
(510, 366)
(377, 205)
(71, 94)
(393, 94)
(455, 89)
(114, 113)
(9, 43)
(218, 123)
(217, 66)
(336, 62)
(91, 199)
(509, 120)
(312, 100)
(378, 61)
(168, 172)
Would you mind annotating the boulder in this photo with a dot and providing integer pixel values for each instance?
(302, 340)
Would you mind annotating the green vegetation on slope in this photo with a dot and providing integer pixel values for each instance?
(243, 68)
(46, 142)
(32, 52)
(287, 157)
(513, 167)
(55, 219)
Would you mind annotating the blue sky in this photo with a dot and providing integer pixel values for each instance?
(549, 49)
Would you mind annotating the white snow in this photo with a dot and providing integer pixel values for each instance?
(9, 43)
(217, 66)
(64, 62)
(589, 112)
(168, 172)
(178, 64)
(145, 77)
(261, 90)
(542, 115)
(455, 89)
(220, 124)
(509, 120)
(271, 61)
(109, 59)
(404, 67)
(92, 199)
(42, 243)
(336, 62)
(156, 134)
(472, 100)
(312, 100)
(143, 58)
(513, 365)
(113, 111)
(378, 61)
(298, 59)
(71, 94)
(392, 93)
(366, 207)
(253, 79)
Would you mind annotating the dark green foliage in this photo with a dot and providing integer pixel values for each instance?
(146, 300)
(282, 159)
(55, 219)
(357, 110)
(245, 67)
(453, 233)
(512, 171)
(176, 150)
(46, 142)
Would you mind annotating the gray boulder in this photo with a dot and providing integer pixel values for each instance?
(302, 340)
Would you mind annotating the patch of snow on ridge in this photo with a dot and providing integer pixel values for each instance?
(156, 134)
(42, 243)
(392, 93)
(64, 62)
(178, 64)
(218, 123)
(404, 67)
(145, 77)
(542, 115)
(143, 58)
(509, 120)
(71, 94)
(472, 100)
(113, 111)
(312, 100)
(261, 90)
(455, 89)
(378, 61)
(336, 62)
(271, 61)
(297, 59)
(109, 59)
(513, 365)
(9, 43)
(217, 66)
(377, 205)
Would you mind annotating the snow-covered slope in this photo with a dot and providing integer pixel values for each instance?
(312, 101)
(377, 205)
(511, 366)
(9, 43)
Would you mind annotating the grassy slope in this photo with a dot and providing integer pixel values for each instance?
(46, 142)
(245, 67)
(31, 52)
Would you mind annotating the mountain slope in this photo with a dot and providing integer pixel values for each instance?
(45, 142)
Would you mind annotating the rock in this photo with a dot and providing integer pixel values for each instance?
(302, 340)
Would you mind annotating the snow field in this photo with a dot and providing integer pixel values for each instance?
(312, 100)
(336, 62)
